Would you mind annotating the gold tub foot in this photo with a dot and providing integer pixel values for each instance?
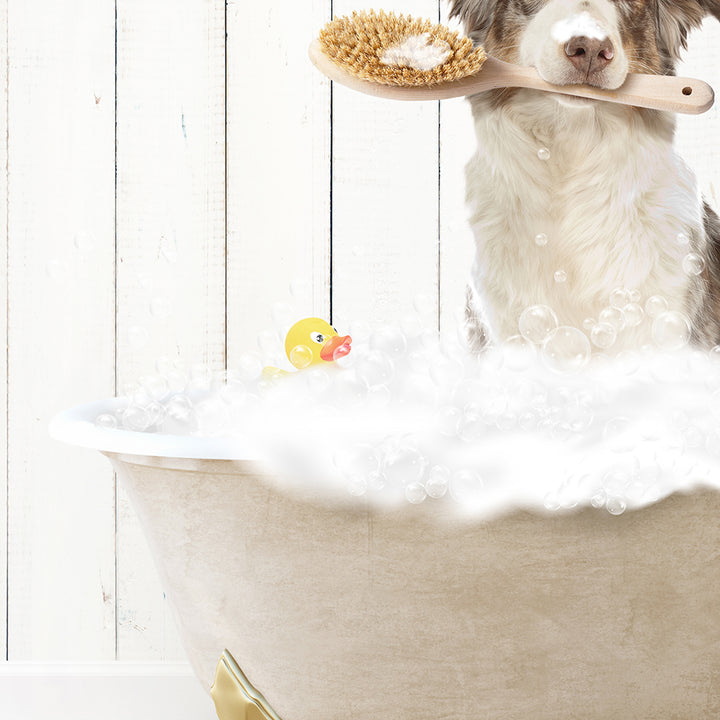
(234, 697)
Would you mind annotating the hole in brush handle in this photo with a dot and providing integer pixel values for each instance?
(687, 90)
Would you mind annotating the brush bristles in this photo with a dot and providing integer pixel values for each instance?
(358, 44)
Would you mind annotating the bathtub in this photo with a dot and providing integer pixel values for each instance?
(335, 609)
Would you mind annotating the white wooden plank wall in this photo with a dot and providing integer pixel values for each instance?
(165, 194)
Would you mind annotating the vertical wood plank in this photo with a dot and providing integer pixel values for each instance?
(698, 139)
(60, 325)
(457, 145)
(385, 198)
(170, 241)
(278, 169)
(3, 324)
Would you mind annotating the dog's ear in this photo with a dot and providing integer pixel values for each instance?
(677, 17)
(476, 14)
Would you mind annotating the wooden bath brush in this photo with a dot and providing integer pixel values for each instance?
(401, 58)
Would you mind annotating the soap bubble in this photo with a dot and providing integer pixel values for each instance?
(518, 353)
(682, 239)
(179, 407)
(598, 499)
(634, 296)
(603, 335)
(106, 420)
(375, 368)
(415, 493)
(388, 340)
(619, 297)
(566, 349)
(537, 322)
(614, 317)
(541, 239)
(361, 459)
(543, 153)
(249, 366)
(671, 330)
(168, 248)
(154, 385)
(618, 434)
(656, 305)
(136, 418)
(138, 337)
(560, 276)
(466, 487)
(438, 480)
(445, 372)
(589, 323)
(160, 308)
(615, 505)
(633, 314)
(449, 420)
(301, 356)
(404, 465)
(693, 264)
(349, 389)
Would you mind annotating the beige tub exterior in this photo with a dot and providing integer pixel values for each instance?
(337, 611)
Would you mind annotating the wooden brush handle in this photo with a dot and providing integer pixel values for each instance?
(659, 92)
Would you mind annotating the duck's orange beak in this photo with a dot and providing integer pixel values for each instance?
(336, 347)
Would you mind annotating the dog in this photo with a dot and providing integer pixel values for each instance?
(572, 199)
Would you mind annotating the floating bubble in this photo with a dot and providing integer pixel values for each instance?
(566, 349)
(603, 335)
(466, 487)
(106, 420)
(154, 385)
(619, 297)
(301, 356)
(438, 480)
(588, 324)
(160, 308)
(560, 276)
(179, 407)
(404, 466)
(138, 337)
(633, 314)
(682, 239)
(415, 493)
(375, 368)
(656, 305)
(598, 499)
(693, 264)
(136, 418)
(671, 330)
(541, 239)
(634, 296)
(614, 317)
(537, 322)
(449, 420)
(615, 505)
(518, 353)
(543, 153)
(168, 249)
(388, 340)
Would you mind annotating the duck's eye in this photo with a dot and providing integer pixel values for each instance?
(317, 337)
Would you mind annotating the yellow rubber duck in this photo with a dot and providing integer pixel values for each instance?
(311, 341)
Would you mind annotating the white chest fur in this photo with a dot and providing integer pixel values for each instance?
(611, 198)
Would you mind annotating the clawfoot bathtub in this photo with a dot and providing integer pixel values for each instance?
(336, 609)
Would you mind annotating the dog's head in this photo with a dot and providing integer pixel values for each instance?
(585, 41)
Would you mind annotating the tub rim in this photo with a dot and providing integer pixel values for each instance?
(76, 426)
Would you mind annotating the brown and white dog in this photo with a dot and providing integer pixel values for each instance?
(613, 203)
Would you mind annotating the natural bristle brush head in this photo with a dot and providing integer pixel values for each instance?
(397, 50)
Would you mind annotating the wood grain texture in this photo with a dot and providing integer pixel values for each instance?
(60, 326)
(170, 240)
(278, 171)
(3, 324)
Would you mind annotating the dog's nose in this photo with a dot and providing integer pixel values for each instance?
(589, 55)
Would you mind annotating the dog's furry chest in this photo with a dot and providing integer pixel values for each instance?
(608, 204)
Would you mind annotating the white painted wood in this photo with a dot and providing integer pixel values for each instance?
(385, 199)
(278, 170)
(698, 138)
(3, 325)
(60, 325)
(170, 240)
(111, 691)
